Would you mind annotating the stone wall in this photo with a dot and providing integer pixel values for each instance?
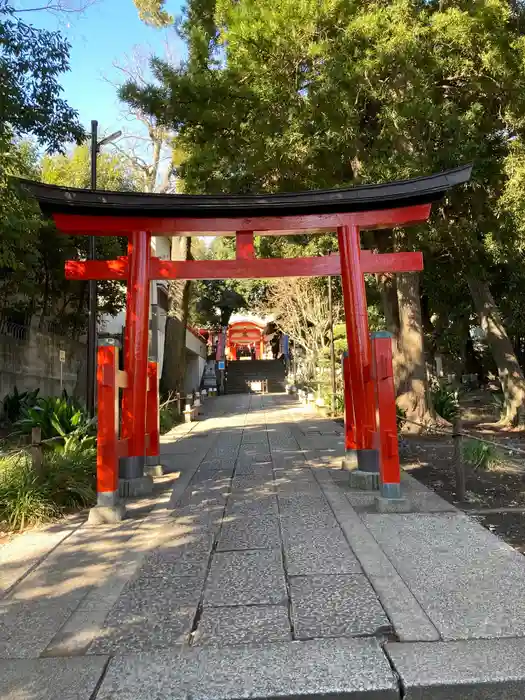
(30, 359)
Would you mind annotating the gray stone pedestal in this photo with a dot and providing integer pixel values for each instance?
(153, 467)
(364, 481)
(350, 460)
(130, 488)
(109, 509)
(366, 476)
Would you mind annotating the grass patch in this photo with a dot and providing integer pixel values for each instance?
(479, 455)
(66, 483)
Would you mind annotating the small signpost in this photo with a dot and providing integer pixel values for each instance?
(62, 358)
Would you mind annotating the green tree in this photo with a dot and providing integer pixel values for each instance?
(305, 94)
(31, 62)
(33, 253)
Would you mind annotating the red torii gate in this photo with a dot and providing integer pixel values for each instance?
(348, 211)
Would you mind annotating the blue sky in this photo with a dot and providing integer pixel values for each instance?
(106, 32)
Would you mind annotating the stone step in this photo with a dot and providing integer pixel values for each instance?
(333, 668)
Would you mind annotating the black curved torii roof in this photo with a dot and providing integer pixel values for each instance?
(392, 195)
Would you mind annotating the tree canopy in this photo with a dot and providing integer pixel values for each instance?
(305, 94)
(31, 62)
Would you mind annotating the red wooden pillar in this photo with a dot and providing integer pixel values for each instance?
(350, 459)
(152, 414)
(390, 471)
(136, 356)
(359, 350)
(107, 426)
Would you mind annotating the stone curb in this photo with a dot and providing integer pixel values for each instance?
(315, 669)
(408, 618)
(478, 669)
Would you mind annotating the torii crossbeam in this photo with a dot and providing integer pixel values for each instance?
(347, 211)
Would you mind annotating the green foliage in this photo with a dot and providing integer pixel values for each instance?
(73, 169)
(401, 417)
(152, 12)
(31, 63)
(169, 416)
(214, 303)
(479, 455)
(33, 253)
(66, 482)
(63, 422)
(16, 402)
(445, 400)
(305, 94)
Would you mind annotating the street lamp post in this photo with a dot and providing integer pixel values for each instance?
(92, 297)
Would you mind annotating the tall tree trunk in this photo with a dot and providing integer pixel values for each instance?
(174, 365)
(413, 393)
(384, 242)
(509, 370)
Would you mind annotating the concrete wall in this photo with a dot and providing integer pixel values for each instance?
(195, 361)
(30, 359)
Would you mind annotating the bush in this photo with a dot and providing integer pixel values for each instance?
(64, 423)
(16, 402)
(168, 416)
(479, 455)
(445, 400)
(65, 483)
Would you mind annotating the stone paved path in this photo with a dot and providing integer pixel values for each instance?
(255, 552)
(260, 574)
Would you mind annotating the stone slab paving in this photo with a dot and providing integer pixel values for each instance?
(316, 669)
(246, 578)
(259, 578)
(51, 679)
(470, 583)
(336, 606)
(243, 624)
(467, 670)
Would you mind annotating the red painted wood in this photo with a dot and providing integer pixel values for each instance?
(248, 268)
(107, 419)
(97, 269)
(136, 358)
(356, 320)
(244, 245)
(278, 225)
(350, 442)
(152, 411)
(123, 448)
(390, 472)
(264, 268)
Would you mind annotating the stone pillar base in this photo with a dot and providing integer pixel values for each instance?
(364, 481)
(154, 469)
(368, 460)
(130, 488)
(349, 460)
(392, 505)
(108, 510)
(131, 467)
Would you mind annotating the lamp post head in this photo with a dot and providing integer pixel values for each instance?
(108, 139)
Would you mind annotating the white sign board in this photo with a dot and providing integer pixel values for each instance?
(62, 355)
